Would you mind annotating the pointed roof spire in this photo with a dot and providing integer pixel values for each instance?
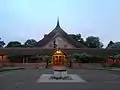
(58, 22)
(58, 25)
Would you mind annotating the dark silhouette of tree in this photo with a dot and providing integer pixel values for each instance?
(78, 38)
(14, 44)
(30, 43)
(2, 43)
(93, 42)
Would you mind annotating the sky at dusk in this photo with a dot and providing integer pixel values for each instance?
(31, 19)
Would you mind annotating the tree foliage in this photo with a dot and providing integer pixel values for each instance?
(81, 57)
(14, 44)
(78, 38)
(47, 58)
(93, 42)
(76, 56)
(2, 43)
(86, 58)
(30, 43)
(15, 58)
(117, 57)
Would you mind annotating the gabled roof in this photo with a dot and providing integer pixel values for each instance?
(58, 29)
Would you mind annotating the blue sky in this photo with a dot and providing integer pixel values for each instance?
(24, 19)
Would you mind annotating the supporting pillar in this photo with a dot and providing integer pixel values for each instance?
(2, 62)
(47, 63)
(24, 59)
(2, 58)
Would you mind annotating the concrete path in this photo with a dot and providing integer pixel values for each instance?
(26, 80)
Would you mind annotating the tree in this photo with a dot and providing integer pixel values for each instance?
(14, 44)
(115, 46)
(30, 43)
(2, 43)
(78, 38)
(93, 42)
(110, 43)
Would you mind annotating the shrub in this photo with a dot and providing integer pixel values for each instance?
(81, 57)
(15, 58)
(117, 57)
(76, 56)
(85, 57)
(40, 58)
(47, 58)
(98, 59)
(32, 59)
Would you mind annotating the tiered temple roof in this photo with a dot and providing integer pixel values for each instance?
(63, 34)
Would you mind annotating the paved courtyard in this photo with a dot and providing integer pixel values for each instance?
(27, 80)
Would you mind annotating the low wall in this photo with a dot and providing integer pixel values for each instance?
(33, 65)
(43, 65)
(26, 65)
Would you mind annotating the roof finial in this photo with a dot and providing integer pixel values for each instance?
(58, 25)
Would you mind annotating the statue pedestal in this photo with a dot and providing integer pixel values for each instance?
(59, 74)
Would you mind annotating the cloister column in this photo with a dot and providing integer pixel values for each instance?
(2, 58)
(23, 59)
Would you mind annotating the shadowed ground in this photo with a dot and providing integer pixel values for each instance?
(27, 80)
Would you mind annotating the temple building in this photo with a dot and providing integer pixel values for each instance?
(58, 38)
